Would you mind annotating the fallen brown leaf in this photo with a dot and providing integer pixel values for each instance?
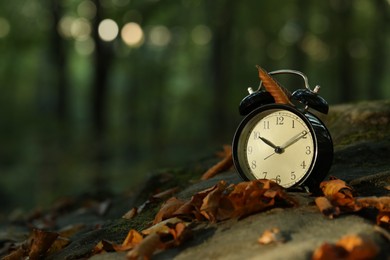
(167, 209)
(131, 213)
(329, 251)
(358, 247)
(41, 242)
(132, 239)
(348, 247)
(331, 187)
(210, 205)
(326, 207)
(224, 164)
(161, 227)
(146, 248)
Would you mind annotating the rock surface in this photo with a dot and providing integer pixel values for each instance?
(361, 134)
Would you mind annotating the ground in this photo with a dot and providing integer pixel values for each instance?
(361, 134)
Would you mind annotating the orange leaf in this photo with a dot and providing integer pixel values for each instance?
(332, 187)
(329, 251)
(132, 239)
(167, 209)
(348, 247)
(358, 247)
(326, 207)
(42, 241)
(210, 205)
(131, 213)
(146, 248)
(224, 164)
(280, 94)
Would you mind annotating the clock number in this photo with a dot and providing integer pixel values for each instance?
(279, 120)
(293, 123)
(293, 176)
(266, 125)
(256, 135)
(253, 165)
(265, 175)
(277, 179)
(303, 164)
(308, 150)
(305, 136)
(249, 149)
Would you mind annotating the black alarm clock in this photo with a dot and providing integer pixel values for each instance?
(283, 142)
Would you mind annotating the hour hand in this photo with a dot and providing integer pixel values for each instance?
(268, 142)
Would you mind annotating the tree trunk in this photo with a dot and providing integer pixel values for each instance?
(221, 17)
(379, 51)
(102, 61)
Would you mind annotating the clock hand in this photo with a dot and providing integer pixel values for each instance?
(293, 140)
(277, 149)
(268, 142)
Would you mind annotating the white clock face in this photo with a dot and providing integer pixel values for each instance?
(277, 144)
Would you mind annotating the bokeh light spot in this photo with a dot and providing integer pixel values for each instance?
(86, 9)
(132, 34)
(108, 30)
(80, 29)
(4, 27)
(201, 35)
(160, 36)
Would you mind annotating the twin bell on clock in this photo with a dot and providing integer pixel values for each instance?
(280, 138)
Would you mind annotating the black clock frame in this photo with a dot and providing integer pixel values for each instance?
(323, 144)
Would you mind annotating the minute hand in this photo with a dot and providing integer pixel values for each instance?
(294, 139)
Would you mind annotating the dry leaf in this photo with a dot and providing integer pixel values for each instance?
(132, 239)
(358, 247)
(280, 94)
(165, 193)
(210, 205)
(224, 164)
(334, 186)
(329, 251)
(167, 209)
(146, 248)
(326, 207)
(17, 254)
(41, 242)
(348, 247)
(271, 236)
(161, 227)
(130, 214)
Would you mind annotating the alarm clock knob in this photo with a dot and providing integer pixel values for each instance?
(254, 100)
(311, 99)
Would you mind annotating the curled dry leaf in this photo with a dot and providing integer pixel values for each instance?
(334, 186)
(279, 93)
(132, 239)
(41, 242)
(348, 247)
(326, 207)
(210, 205)
(146, 248)
(271, 236)
(338, 198)
(223, 165)
(131, 213)
(161, 227)
(167, 209)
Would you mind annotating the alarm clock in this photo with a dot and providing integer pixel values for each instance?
(285, 143)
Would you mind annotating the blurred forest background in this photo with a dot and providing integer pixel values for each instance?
(97, 93)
